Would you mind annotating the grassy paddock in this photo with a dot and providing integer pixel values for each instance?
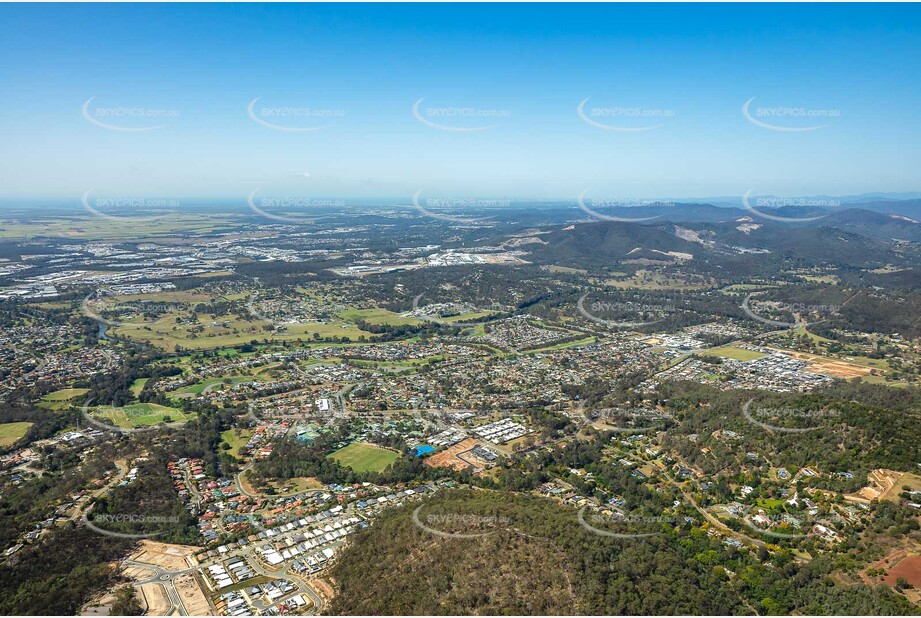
(11, 432)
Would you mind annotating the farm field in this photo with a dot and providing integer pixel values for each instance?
(139, 415)
(88, 227)
(363, 457)
(11, 432)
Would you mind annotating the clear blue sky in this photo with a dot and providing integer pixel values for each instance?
(368, 64)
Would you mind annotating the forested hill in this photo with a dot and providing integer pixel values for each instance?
(537, 559)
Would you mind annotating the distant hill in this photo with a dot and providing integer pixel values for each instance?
(608, 242)
(910, 208)
(885, 226)
(604, 244)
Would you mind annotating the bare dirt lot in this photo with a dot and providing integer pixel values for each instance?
(153, 597)
(448, 458)
(165, 555)
(322, 587)
(138, 573)
(881, 484)
(192, 596)
(903, 561)
(909, 568)
(831, 367)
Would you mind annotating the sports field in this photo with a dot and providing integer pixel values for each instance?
(139, 415)
(363, 457)
(10, 432)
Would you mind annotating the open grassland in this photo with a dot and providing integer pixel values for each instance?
(565, 269)
(166, 296)
(363, 457)
(799, 332)
(11, 432)
(829, 279)
(62, 399)
(227, 331)
(137, 386)
(295, 485)
(65, 394)
(378, 316)
(651, 280)
(236, 439)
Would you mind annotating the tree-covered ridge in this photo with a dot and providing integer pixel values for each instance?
(537, 559)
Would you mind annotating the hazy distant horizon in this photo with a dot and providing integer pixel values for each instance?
(472, 101)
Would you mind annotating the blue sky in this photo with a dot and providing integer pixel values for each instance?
(680, 72)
